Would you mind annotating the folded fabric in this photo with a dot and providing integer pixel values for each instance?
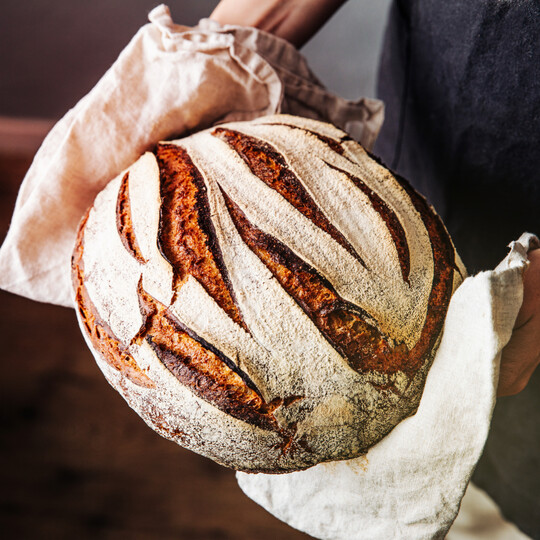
(170, 80)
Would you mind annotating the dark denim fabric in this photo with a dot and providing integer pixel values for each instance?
(461, 83)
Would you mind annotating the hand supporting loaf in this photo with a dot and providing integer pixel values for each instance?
(521, 356)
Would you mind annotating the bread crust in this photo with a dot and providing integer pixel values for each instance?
(265, 293)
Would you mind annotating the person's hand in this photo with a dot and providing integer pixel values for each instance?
(521, 355)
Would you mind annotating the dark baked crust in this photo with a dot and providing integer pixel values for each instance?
(345, 325)
(124, 223)
(188, 241)
(201, 367)
(187, 238)
(266, 163)
(113, 351)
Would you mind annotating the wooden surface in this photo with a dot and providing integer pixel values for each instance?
(76, 462)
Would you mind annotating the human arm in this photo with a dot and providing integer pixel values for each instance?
(521, 355)
(294, 20)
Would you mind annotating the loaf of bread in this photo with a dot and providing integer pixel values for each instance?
(265, 293)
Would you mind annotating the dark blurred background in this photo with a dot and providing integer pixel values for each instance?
(76, 461)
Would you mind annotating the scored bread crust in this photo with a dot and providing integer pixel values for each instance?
(265, 293)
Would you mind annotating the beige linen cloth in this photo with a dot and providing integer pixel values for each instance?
(171, 80)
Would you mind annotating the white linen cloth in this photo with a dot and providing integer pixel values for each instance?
(410, 484)
(169, 81)
(172, 80)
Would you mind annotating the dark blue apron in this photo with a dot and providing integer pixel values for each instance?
(461, 84)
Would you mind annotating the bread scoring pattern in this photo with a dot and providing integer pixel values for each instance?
(269, 279)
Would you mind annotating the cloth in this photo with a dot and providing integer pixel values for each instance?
(170, 80)
(411, 483)
(461, 86)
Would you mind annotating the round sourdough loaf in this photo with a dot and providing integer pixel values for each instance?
(265, 293)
